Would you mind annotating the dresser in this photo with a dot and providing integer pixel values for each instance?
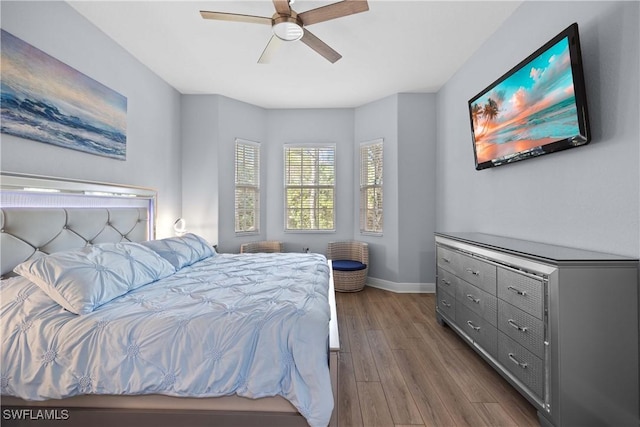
(560, 324)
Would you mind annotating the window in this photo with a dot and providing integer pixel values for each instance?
(247, 187)
(371, 187)
(309, 172)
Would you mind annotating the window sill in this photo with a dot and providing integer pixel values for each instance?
(310, 231)
(371, 234)
(247, 233)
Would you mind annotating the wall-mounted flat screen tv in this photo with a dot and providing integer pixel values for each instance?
(537, 108)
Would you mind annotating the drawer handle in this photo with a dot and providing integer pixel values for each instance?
(471, 297)
(447, 260)
(445, 303)
(515, 325)
(446, 282)
(523, 365)
(517, 291)
(475, 273)
(474, 327)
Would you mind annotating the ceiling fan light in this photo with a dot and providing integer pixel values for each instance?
(288, 31)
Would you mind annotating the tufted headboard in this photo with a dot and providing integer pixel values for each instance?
(64, 215)
(27, 233)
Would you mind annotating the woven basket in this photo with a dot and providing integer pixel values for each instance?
(268, 246)
(349, 281)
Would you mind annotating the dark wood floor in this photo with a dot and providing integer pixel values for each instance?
(398, 367)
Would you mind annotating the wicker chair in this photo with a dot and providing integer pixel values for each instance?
(350, 265)
(268, 246)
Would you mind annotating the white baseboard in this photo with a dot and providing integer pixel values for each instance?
(402, 288)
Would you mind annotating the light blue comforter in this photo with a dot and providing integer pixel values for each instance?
(253, 325)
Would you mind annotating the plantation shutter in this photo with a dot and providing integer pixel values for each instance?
(371, 200)
(247, 183)
(309, 187)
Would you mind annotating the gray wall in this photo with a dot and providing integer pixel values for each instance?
(406, 122)
(211, 123)
(404, 253)
(379, 119)
(200, 178)
(586, 197)
(417, 187)
(153, 109)
(210, 126)
(244, 121)
(333, 126)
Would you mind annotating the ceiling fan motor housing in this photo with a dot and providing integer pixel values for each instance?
(287, 27)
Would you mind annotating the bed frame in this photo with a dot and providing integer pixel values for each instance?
(41, 215)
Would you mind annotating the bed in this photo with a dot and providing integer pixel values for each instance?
(232, 339)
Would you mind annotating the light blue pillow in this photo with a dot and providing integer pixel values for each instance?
(181, 251)
(82, 280)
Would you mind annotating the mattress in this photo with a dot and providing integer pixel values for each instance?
(252, 325)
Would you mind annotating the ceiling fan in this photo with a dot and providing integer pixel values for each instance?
(288, 26)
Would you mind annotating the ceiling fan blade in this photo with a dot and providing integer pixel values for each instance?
(223, 16)
(332, 11)
(282, 7)
(319, 46)
(271, 48)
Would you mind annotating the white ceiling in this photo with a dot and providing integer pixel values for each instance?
(396, 46)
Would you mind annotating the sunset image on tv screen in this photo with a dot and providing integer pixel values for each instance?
(534, 106)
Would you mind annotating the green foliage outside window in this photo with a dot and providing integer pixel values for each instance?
(309, 187)
(247, 181)
(371, 207)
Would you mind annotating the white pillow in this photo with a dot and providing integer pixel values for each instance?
(84, 279)
(181, 251)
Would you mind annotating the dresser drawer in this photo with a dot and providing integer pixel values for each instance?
(477, 272)
(522, 291)
(447, 305)
(447, 259)
(478, 301)
(523, 364)
(447, 282)
(478, 329)
(521, 327)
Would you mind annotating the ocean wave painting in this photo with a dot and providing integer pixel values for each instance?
(45, 100)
